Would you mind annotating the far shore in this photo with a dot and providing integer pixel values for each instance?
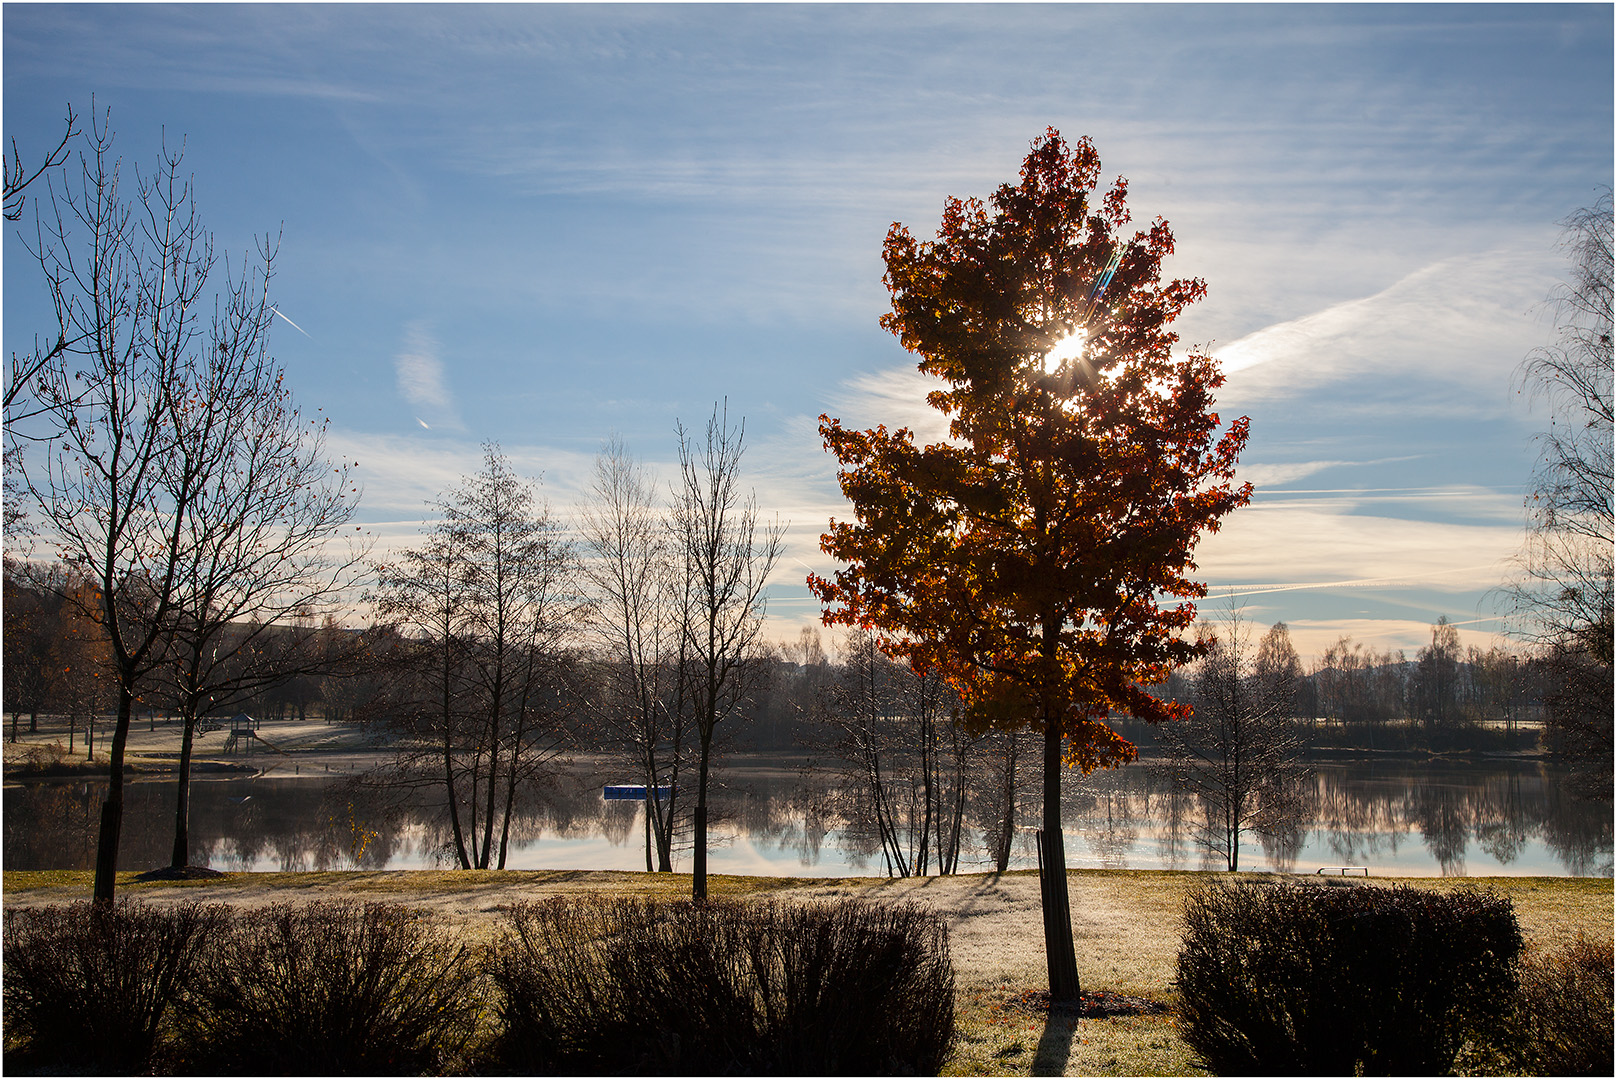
(314, 747)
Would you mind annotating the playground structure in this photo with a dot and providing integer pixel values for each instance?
(243, 734)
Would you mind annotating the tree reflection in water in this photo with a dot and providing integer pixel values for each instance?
(1393, 816)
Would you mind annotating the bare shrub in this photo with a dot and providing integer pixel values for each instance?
(333, 987)
(89, 987)
(1561, 1021)
(43, 757)
(1301, 979)
(591, 985)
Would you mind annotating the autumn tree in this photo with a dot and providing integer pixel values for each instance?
(84, 676)
(1039, 557)
(32, 632)
(725, 553)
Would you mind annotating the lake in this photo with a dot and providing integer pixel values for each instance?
(1396, 816)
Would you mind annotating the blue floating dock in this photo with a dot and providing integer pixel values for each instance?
(634, 792)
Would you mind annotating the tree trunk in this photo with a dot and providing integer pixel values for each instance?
(650, 801)
(664, 826)
(1060, 958)
(1002, 851)
(493, 788)
(665, 846)
(180, 857)
(454, 802)
(510, 794)
(699, 863)
(112, 810)
(927, 762)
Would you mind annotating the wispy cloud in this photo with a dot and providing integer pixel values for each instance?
(1298, 543)
(1461, 324)
(896, 397)
(420, 376)
(1272, 475)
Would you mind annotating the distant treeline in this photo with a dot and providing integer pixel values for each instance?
(1354, 697)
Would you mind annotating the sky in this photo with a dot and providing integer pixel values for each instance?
(543, 225)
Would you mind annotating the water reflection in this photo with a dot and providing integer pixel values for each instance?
(1395, 817)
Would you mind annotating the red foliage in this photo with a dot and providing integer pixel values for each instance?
(1039, 558)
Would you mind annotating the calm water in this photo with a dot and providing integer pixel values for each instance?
(1396, 817)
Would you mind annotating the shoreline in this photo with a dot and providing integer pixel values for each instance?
(150, 762)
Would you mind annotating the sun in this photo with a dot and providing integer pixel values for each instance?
(1068, 348)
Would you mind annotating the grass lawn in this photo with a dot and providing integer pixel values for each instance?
(1125, 925)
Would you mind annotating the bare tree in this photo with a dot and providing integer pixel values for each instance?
(422, 595)
(18, 177)
(260, 563)
(493, 590)
(904, 763)
(130, 276)
(1562, 598)
(726, 555)
(519, 581)
(22, 370)
(865, 712)
(1238, 752)
(634, 618)
(1434, 689)
(1355, 684)
(948, 755)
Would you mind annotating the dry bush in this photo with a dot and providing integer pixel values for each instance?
(1311, 980)
(89, 987)
(43, 757)
(591, 985)
(333, 987)
(1561, 1021)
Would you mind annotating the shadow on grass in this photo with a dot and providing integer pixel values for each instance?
(1055, 1043)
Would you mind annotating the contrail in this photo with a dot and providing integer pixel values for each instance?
(294, 325)
(1255, 590)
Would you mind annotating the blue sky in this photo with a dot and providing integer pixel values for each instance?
(540, 224)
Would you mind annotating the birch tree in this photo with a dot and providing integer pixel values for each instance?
(631, 565)
(726, 554)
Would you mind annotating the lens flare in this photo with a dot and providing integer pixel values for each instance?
(1068, 348)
